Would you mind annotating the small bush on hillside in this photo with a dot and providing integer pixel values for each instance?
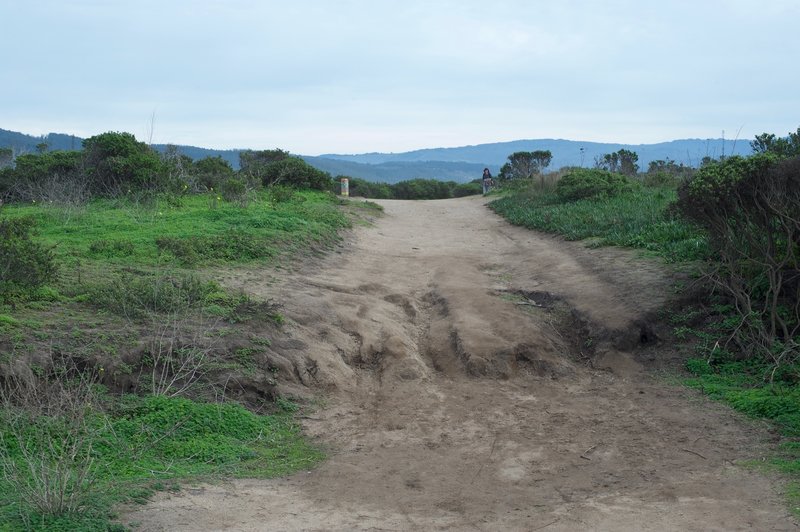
(231, 246)
(210, 172)
(139, 296)
(282, 194)
(589, 183)
(51, 178)
(25, 265)
(48, 430)
(111, 248)
(295, 172)
(234, 190)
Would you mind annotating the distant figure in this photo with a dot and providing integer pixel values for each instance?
(487, 181)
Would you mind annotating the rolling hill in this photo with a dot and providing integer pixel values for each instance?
(460, 164)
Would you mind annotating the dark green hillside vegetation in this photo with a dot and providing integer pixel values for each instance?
(415, 189)
(735, 223)
(113, 165)
(125, 365)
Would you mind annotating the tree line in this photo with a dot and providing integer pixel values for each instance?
(115, 164)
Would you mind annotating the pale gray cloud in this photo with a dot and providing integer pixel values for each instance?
(317, 76)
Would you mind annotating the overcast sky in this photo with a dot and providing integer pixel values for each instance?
(353, 76)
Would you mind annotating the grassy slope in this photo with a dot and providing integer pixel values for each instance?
(635, 219)
(640, 219)
(141, 444)
(119, 232)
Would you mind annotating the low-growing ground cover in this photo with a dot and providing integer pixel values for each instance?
(66, 473)
(638, 218)
(189, 230)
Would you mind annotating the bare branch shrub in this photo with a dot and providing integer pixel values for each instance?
(179, 353)
(69, 193)
(751, 209)
(49, 426)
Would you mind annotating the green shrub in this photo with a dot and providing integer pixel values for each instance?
(111, 248)
(295, 172)
(423, 189)
(138, 296)
(183, 249)
(38, 166)
(467, 189)
(591, 183)
(210, 172)
(117, 162)
(234, 189)
(368, 189)
(232, 246)
(25, 265)
(282, 194)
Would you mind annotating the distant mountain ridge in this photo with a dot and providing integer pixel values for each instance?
(460, 164)
(23, 143)
(565, 152)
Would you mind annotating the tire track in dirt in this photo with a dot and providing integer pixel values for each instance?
(447, 345)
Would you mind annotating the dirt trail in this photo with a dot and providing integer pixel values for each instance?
(480, 376)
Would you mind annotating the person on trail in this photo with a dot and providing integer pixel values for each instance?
(487, 181)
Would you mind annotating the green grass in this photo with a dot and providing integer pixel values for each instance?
(744, 385)
(146, 444)
(197, 230)
(637, 219)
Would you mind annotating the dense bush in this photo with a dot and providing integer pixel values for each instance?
(414, 189)
(210, 172)
(788, 146)
(295, 172)
(234, 189)
(7, 180)
(35, 167)
(55, 176)
(667, 172)
(467, 189)
(253, 163)
(117, 162)
(589, 183)
(750, 208)
(422, 189)
(368, 189)
(24, 264)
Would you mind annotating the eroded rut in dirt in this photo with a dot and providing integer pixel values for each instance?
(478, 376)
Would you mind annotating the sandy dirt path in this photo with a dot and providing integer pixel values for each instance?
(478, 376)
